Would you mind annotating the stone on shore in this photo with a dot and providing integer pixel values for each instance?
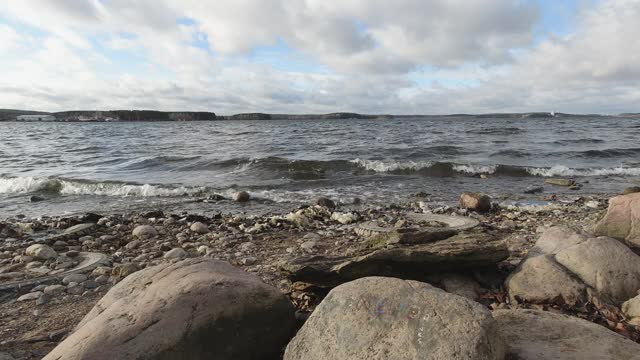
(631, 190)
(144, 231)
(535, 335)
(176, 253)
(388, 318)
(41, 251)
(631, 309)
(540, 279)
(606, 265)
(458, 253)
(199, 228)
(475, 201)
(193, 309)
(241, 196)
(622, 220)
(560, 182)
(564, 258)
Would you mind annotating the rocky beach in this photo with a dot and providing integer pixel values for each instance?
(484, 279)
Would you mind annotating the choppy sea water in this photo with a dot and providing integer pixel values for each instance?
(107, 167)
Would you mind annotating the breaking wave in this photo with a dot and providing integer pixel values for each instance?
(52, 185)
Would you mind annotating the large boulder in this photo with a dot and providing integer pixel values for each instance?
(388, 318)
(606, 265)
(540, 279)
(569, 265)
(41, 252)
(535, 335)
(193, 309)
(622, 220)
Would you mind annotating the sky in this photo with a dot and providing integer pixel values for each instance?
(320, 56)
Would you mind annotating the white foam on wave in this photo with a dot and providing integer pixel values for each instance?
(391, 165)
(29, 184)
(23, 184)
(560, 170)
(475, 169)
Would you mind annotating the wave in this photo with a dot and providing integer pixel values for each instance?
(497, 131)
(578, 141)
(511, 153)
(439, 168)
(53, 185)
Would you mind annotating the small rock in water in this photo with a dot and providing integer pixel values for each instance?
(241, 196)
(326, 202)
(36, 198)
(534, 190)
(560, 182)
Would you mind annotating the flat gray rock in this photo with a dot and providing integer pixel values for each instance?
(458, 253)
(538, 335)
(388, 318)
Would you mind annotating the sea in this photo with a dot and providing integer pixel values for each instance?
(118, 167)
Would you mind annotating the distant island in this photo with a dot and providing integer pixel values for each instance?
(152, 115)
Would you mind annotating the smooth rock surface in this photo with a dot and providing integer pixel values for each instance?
(199, 228)
(41, 251)
(631, 309)
(144, 231)
(193, 309)
(538, 335)
(388, 318)
(475, 201)
(622, 220)
(606, 265)
(539, 279)
(176, 253)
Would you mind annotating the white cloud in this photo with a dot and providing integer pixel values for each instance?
(405, 56)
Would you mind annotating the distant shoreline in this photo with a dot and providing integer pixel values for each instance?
(177, 116)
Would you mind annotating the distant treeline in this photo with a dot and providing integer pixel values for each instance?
(152, 115)
(338, 115)
(138, 115)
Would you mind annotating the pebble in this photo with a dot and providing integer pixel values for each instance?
(249, 260)
(144, 231)
(54, 290)
(176, 253)
(241, 196)
(199, 228)
(30, 296)
(77, 278)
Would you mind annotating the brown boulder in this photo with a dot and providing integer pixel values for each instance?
(475, 201)
(622, 220)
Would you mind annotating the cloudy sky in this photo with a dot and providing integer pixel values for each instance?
(309, 56)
